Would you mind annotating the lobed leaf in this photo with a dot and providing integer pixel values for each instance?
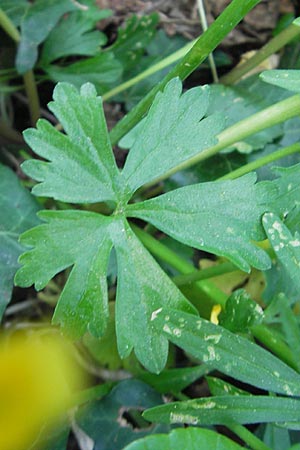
(18, 213)
(82, 167)
(224, 410)
(75, 35)
(103, 70)
(142, 290)
(189, 438)
(205, 216)
(71, 238)
(227, 352)
(39, 19)
(172, 132)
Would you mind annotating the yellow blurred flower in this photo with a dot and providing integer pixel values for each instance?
(36, 379)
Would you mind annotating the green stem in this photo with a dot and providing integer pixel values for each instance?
(9, 133)
(249, 438)
(261, 55)
(150, 71)
(274, 343)
(204, 274)
(273, 115)
(261, 162)
(89, 394)
(9, 27)
(204, 288)
(32, 95)
(28, 77)
(204, 45)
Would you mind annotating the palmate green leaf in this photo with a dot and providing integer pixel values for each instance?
(172, 132)
(103, 70)
(143, 288)
(205, 216)
(224, 410)
(40, 18)
(71, 238)
(189, 438)
(285, 245)
(82, 167)
(18, 213)
(227, 352)
(75, 35)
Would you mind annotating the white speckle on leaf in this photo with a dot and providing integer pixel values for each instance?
(199, 324)
(204, 405)
(276, 374)
(229, 230)
(177, 332)
(167, 329)
(155, 314)
(183, 418)
(287, 389)
(289, 188)
(167, 318)
(295, 243)
(211, 353)
(213, 337)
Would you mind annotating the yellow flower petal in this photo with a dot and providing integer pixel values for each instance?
(36, 379)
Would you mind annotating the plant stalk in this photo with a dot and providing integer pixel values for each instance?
(32, 95)
(204, 274)
(249, 438)
(28, 77)
(9, 27)
(261, 55)
(275, 344)
(150, 71)
(273, 115)
(204, 45)
(294, 148)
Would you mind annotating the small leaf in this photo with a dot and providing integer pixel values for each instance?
(133, 38)
(285, 245)
(174, 380)
(15, 10)
(223, 410)
(219, 387)
(204, 216)
(286, 79)
(171, 132)
(103, 421)
(103, 70)
(241, 313)
(18, 213)
(288, 190)
(74, 35)
(71, 238)
(82, 167)
(188, 438)
(143, 288)
(40, 18)
(227, 352)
